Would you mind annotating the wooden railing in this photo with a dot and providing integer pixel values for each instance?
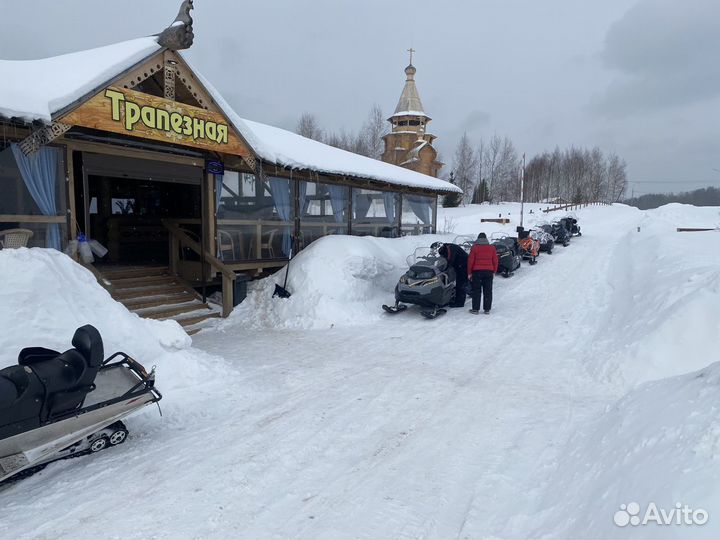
(178, 238)
(574, 206)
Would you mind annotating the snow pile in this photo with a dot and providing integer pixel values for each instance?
(660, 444)
(336, 281)
(46, 296)
(665, 313)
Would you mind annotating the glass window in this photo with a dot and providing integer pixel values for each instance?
(374, 213)
(38, 200)
(417, 212)
(255, 218)
(323, 210)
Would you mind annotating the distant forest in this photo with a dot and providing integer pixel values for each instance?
(709, 196)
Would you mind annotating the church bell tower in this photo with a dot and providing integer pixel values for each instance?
(409, 144)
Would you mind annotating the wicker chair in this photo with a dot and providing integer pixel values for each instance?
(15, 238)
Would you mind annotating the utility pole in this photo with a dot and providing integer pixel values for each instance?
(522, 191)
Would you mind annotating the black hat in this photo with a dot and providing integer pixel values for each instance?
(481, 235)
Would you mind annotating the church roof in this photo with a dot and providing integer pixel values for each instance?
(409, 103)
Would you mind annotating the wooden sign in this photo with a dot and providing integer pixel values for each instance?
(120, 110)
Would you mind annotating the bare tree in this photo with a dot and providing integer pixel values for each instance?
(490, 157)
(617, 178)
(372, 132)
(308, 127)
(465, 165)
(507, 168)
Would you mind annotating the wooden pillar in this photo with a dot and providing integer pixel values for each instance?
(295, 192)
(350, 209)
(70, 190)
(398, 210)
(208, 219)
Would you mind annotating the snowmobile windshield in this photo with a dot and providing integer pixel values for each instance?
(426, 255)
(465, 241)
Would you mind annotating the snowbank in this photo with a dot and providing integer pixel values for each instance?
(660, 444)
(336, 281)
(45, 296)
(665, 313)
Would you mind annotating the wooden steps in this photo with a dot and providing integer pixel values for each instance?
(152, 292)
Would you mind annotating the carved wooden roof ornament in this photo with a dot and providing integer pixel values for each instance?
(179, 35)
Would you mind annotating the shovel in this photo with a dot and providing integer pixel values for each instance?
(282, 292)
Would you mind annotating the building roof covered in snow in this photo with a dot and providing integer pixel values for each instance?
(44, 90)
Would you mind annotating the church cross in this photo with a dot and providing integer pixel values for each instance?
(411, 51)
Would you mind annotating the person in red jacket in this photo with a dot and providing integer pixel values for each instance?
(481, 268)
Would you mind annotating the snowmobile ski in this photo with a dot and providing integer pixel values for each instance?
(433, 313)
(397, 308)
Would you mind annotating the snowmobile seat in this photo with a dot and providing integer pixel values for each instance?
(69, 377)
(31, 355)
(21, 399)
(8, 392)
(88, 342)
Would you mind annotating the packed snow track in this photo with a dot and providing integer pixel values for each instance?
(392, 426)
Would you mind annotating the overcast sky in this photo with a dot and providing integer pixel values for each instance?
(637, 77)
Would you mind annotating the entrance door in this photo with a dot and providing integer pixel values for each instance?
(127, 199)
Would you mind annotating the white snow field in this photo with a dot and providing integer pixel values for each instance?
(590, 386)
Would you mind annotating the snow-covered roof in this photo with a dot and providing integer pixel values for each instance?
(288, 149)
(35, 89)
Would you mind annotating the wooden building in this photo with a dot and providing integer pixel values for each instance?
(409, 144)
(130, 146)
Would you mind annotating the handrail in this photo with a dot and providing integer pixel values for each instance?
(228, 275)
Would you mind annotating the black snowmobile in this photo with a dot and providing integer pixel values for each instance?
(571, 225)
(561, 233)
(429, 283)
(57, 405)
(508, 252)
(543, 234)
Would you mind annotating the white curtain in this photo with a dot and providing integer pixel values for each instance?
(421, 207)
(390, 203)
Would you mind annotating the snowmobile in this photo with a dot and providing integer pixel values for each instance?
(570, 224)
(543, 234)
(529, 247)
(429, 283)
(508, 252)
(58, 405)
(561, 233)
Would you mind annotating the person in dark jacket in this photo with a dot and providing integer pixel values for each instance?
(457, 259)
(481, 268)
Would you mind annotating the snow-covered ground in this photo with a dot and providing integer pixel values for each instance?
(591, 385)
